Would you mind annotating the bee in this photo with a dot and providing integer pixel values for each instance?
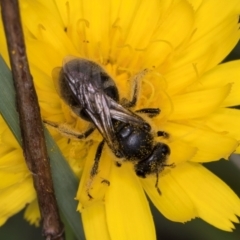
(93, 95)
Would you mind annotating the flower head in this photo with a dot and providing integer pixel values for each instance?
(180, 43)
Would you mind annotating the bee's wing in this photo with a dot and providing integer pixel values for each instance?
(101, 116)
(55, 76)
(122, 114)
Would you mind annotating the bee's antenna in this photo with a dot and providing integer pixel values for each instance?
(156, 184)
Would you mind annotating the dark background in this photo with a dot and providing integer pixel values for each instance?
(17, 228)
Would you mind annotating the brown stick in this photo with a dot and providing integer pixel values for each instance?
(33, 142)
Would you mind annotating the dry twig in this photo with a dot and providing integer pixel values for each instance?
(33, 142)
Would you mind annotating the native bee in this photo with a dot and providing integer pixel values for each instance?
(93, 95)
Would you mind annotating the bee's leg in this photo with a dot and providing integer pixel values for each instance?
(97, 159)
(94, 169)
(172, 165)
(151, 112)
(163, 134)
(131, 103)
(136, 81)
(85, 134)
(69, 132)
(106, 182)
(118, 164)
(156, 184)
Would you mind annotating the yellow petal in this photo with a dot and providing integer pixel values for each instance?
(202, 52)
(180, 152)
(225, 120)
(177, 20)
(89, 32)
(76, 25)
(199, 43)
(96, 188)
(208, 26)
(205, 140)
(209, 21)
(199, 103)
(10, 178)
(174, 203)
(7, 137)
(23, 192)
(44, 82)
(7, 142)
(214, 201)
(13, 161)
(180, 77)
(220, 76)
(49, 100)
(97, 32)
(5, 149)
(44, 26)
(94, 222)
(62, 7)
(127, 210)
(50, 7)
(32, 213)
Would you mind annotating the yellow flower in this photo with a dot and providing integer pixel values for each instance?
(180, 43)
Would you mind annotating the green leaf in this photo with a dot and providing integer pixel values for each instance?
(64, 180)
